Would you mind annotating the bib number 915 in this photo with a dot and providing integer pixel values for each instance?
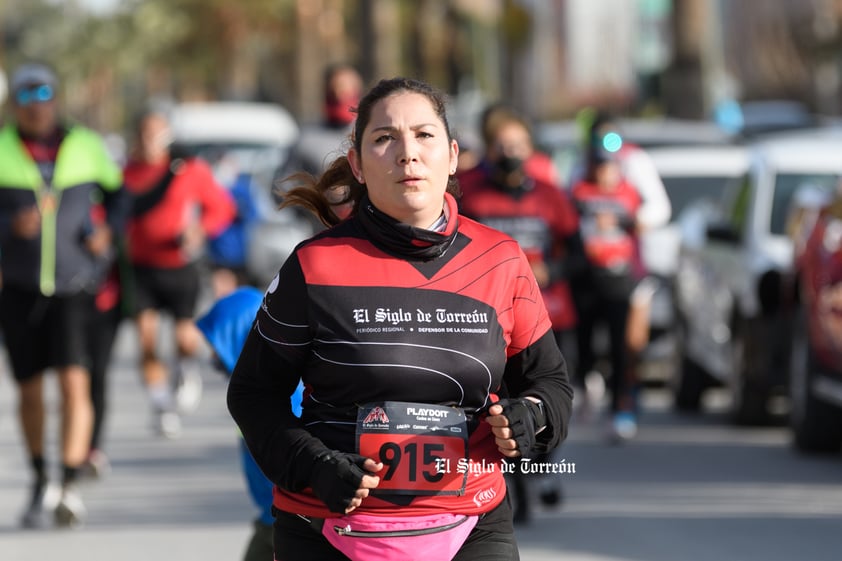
(415, 464)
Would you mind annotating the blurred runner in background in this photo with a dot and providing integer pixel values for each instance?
(110, 308)
(603, 138)
(608, 205)
(177, 206)
(54, 255)
(322, 142)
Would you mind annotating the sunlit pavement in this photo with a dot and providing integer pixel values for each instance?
(164, 499)
(686, 489)
(690, 488)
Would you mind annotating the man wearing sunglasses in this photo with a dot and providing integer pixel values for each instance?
(54, 180)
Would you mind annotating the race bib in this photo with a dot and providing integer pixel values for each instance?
(421, 446)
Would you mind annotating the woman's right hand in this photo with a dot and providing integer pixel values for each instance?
(26, 223)
(342, 480)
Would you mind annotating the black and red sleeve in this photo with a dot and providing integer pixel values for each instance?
(265, 377)
(535, 366)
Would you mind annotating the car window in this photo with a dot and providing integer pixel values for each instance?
(228, 161)
(785, 187)
(683, 190)
(736, 200)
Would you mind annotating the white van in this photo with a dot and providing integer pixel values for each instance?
(693, 177)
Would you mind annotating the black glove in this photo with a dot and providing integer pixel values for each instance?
(525, 418)
(336, 477)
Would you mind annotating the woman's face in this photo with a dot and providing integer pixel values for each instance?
(512, 141)
(608, 175)
(405, 159)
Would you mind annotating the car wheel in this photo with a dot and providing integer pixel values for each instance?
(688, 380)
(749, 392)
(816, 425)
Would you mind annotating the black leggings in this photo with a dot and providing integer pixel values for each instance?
(493, 539)
(593, 310)
(101, 335)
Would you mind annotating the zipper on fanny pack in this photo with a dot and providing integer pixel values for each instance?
(347, 531)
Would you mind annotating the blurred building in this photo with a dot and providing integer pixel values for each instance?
(678, 57)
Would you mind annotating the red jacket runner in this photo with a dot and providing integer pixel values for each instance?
(191, 194)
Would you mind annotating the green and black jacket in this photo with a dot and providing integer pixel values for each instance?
(57, 262)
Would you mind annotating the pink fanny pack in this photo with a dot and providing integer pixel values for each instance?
(364, 537)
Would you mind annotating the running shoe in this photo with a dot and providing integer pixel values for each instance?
(188, 390)
(594, 388)
(550, 494)
(96, 466)
(168, 423)
(587, 400)
(70, 511)
(45, 498)
(623, 426)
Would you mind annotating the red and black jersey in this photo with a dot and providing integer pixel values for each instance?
(608, 233)
(359, 325)
(607, 224)
(539, 216)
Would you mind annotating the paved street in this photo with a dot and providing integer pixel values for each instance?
(687, 489)
(692, 489)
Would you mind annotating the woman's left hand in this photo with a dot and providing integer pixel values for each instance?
(515, 424)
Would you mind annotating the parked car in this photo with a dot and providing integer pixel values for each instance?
(816, 356)
(248, 145)
(693, 176)
(728, 290)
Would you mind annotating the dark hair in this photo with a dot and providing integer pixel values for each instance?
(596, 158)
(334, 69)
(600, 119)
(596, 154)
(338, 178)
(147, 112)
(495, 116)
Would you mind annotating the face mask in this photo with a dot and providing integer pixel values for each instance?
(340, 111)
(508, 164)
